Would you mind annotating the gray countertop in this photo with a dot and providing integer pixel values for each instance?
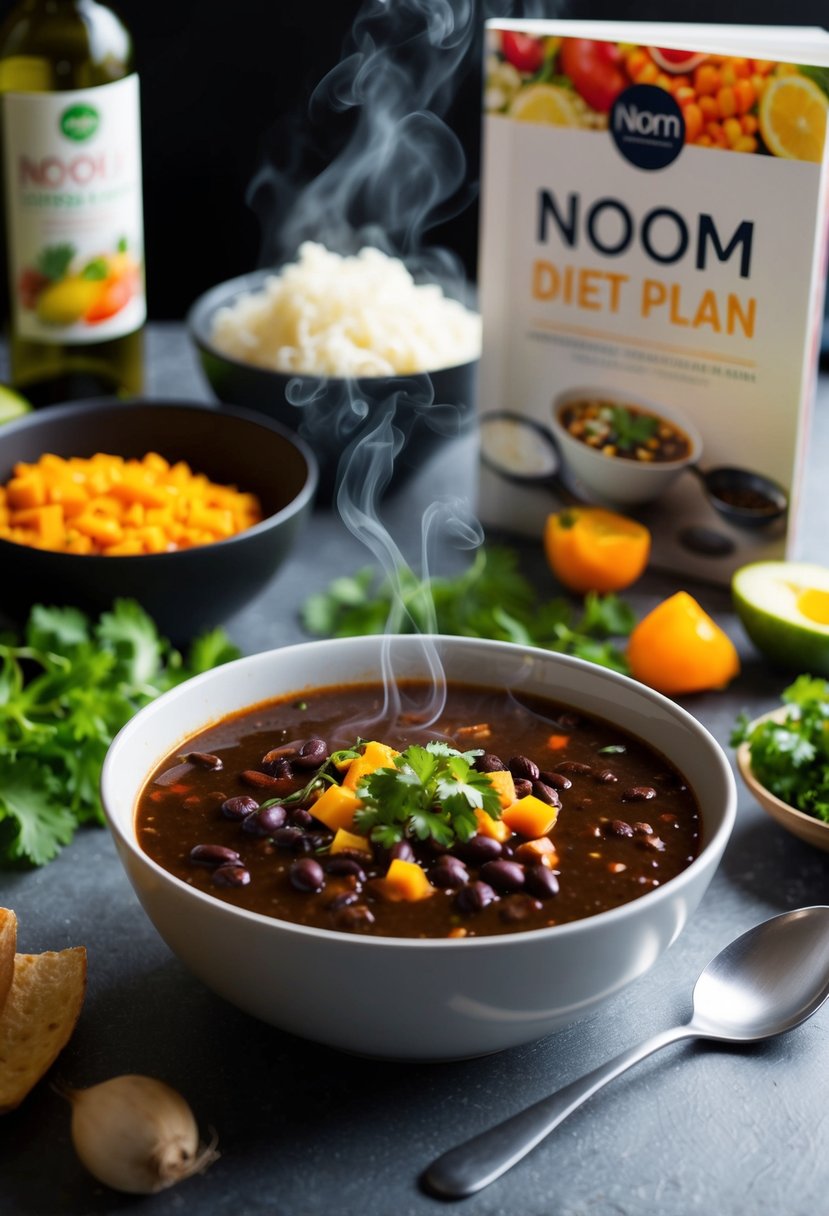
(304, 1130)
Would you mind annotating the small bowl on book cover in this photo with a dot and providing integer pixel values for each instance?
(622, 448)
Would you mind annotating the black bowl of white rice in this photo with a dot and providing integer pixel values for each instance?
(375, 372)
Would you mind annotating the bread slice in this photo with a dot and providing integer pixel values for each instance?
(8, 945)
(38, 1018)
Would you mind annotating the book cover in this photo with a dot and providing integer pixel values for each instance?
(652, 264)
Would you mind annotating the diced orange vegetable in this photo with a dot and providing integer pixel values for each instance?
(531, 817)
(504, 786)
(489, 826)
(26, 491)
(350, 842)
(183, 508)
(541, 851)
(557, 742)
(405, 881)
(375, 755)
(335, 808)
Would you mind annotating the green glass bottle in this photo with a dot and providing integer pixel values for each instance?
(71, 155)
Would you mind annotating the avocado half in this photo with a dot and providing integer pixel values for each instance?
(784, 608)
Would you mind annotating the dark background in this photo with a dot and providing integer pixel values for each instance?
(226, 83)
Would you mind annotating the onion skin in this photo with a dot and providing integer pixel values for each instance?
(136, 1134)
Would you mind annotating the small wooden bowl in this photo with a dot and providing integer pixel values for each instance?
(805, 827)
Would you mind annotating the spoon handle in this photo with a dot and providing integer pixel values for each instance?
(479, 1161)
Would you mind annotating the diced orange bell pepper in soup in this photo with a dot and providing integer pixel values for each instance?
(349, 842)
(530, 817)
(335, 808)
(489, 826)
(504, 786)
(375, 755)
(405, 880)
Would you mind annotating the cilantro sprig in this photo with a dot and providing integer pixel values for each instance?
(629, 430)
(431, 791)
(490, 599)
(791, 758)
(66, 688)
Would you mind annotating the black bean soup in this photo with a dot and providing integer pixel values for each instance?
(212, 814)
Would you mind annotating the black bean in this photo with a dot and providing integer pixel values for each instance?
(204, 760)
(354, 917)
(638, 793)
(238, 808)
(278, 768)
(265, 822)
(286, 838)
(541, 882)
(488, 763)
(213, 855)
(301, 818)
(573, 766)
(401, 851)
(546, 793)
(618, 827)
(557, 780)
(522, 766)
(607, 777)
(651, 842)
(231, 876)
(306, 874)
(341, 865)
(523, 786)
(276, 786)
(643, 829)
(287, 751)
(448, 874)
(312, 754)
(474, 897)
(503, 875)
(479, 849)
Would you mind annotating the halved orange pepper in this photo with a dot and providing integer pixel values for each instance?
(592, 549)
(677, 648)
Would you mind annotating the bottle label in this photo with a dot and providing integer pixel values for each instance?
(72, 164)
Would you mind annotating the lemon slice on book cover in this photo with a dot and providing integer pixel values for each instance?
(793, 118)
(12, 405)
(545, 103)
(784, 607)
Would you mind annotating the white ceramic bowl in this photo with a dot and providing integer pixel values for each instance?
(620, 481)
(415, 998)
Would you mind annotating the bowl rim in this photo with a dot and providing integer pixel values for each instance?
(755, 786)
(633, 908)
(670, 412)
(93, 405)
(224, 293)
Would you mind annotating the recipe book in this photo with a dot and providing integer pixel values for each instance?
(652, 266)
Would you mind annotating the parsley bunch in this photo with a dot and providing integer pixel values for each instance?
(491, 599)
(432, 791)
(66, 688)
(791, 758)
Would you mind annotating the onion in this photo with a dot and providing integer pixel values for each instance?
(137, 1134)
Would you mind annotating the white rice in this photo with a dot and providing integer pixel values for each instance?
(347, 316)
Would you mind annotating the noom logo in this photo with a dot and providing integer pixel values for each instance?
(645, 122)
(647, 126)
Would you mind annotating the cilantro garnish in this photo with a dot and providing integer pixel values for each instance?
(791, 758)
(491, 599)
(66, 688)
(629, 430)
(432, 791)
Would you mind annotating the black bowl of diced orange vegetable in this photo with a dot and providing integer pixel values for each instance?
(186, 508)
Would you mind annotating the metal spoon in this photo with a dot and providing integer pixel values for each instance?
(765, 982)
